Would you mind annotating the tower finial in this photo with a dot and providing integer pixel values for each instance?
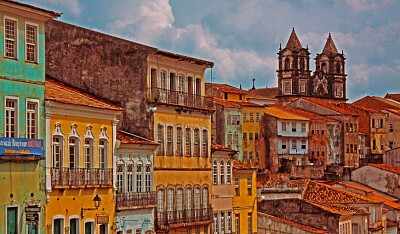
(293, 29)
(253, 84)
(280, 46)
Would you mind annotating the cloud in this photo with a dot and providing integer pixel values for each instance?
(72, 5)
(363, 74)
(367, 5)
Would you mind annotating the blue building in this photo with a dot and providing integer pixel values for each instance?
(22, 119)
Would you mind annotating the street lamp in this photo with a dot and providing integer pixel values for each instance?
(96, 203)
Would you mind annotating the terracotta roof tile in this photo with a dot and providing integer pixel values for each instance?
(303, 113)
(353, 186)
(393, 96)
(338, 209)
(225, 103)
(52, 13)
(394, 205)
(130, 138)
(281, 112)
(329, 106)
(242, 166)
(225, 88)
(58, 92)
(377, 103)
(386, 168)
(298, 225)
(265, 92)
(247, 104)
(326, 194)
(217, 147)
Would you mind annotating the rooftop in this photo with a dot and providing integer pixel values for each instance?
(225, 103)
(393, 96)
(225, 88)
(130, 138)
(377, 103)
(242, 166)
(265, 92)
(280, 112)
(386, 168)
(59, 92)
(52, 14)
(325, 104)
(185, 58)
(298, 225)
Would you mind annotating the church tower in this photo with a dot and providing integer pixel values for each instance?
(294, 68)
(329, 79)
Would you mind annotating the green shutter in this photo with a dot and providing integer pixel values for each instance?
(12, 220)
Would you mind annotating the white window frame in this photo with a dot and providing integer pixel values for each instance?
(170, 140)
(139, 177)
(16, 37)
(147, 177)
(36, 45)
(62, 222)
(88, 159)
(215, 172)
(16, 118)
(222, 172)
(161, 139)
(93, 225)
(58, 133)
(284, 83)
(229, 172)
(37, 114)
(129, 176)
(78, 223)
(76, 152)
(120, 176)
(103, 138)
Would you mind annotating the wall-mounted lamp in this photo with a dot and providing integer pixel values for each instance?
(96, 203)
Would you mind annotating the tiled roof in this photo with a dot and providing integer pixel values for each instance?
(394, 205)
(326, 194)
(394, 111)
(225, 88)
(265, 92)
(298, 225)
(329, 48)
(255, 96)
(377, 103)
(338, 209)
(293, 42)
(59, 92)
(218, 147)
(247, 104)
(386, 168)
(303, 113)
(364, 108)
(280, 112)
(393, 96)
(52, 13)
(329, 106)
(225, 103)
(130, 138)
(353, 186)
(241, 166)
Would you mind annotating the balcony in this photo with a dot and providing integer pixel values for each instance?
(81, 177)
(176, 98)
(126, 201)
(178, 218)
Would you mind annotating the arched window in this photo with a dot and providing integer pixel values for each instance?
(170, 202)
(188, 142)
(189, 201)
(170, 140)
(302, 64)
(160, 139)
(120, 176)
(197, 201)
(228, 172)
(88, 148)
(215, 172)
(323, 67)
(139, 169)
(179, 203)
(163, 80)
(160, 203)
(205, 198)
(129, 176)
(148, 177)
(287, 63)
(57, 152)
(222, 173)
(179, 141)
(338, 68)
(205, 143)
(103, 148)
(196, 142)
(73, 151)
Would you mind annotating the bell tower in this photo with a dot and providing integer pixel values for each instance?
(329, 79)
(294, 68)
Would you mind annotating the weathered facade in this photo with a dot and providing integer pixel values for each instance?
(22, 117)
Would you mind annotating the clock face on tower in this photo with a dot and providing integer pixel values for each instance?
(320, 85)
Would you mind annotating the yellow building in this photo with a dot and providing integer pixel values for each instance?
(245, 199)
(80, 136)
(182, 128)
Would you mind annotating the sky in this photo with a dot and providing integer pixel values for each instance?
(242, 38)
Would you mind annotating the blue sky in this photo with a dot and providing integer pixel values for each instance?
(242, 37)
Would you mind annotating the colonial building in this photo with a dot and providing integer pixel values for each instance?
(294, 74)
(134, 176)
(22, 128)
(80, 142)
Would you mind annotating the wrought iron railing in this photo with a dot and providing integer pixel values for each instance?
(129, 200)
(180, 98)
(167, 218)
(64, 177)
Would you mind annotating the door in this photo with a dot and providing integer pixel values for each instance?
(57, 226)
(88, 228)
(12, 220)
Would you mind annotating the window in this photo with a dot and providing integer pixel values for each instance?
(303, 127)
(294, 127)
(170, 148)
(284, 144)
(312, 128)
(249, 186)
(172, 81)
(391, 129)
(237, 186)
(160, 201)
(258, 117)
(31, 43)
(287, 87)
(235, 140)
(244, 136)
(139, 169)
(229, 139)
(323, 151)
(251, 136)
(12, 220)
(129, 176)
(215, 226)
(244, 116)
(226, 96)
(153, 78)
(303, 144)
(287, 63)
(237, 223)
(102, 154)
(58, 226)
(196, 142)
(148, 178)
(120, 176)
(11, 118)
(355, 127)
(57, 152)
(179, 137)
(160, 139)
(31, 120)
(302, 64)
(294, 144)
(215, 172)
(317, 128)
(229, 222)
(89, 228)
(348, 149)
(179, 201)
(204, 149)
(197, 201)
(251, 155)
(189, 200)
(10, 38)
(188, 143)
(205, 198)
(222, 172)
(302, 85)
(163, 80)
(222, 223)
(170, 201)
(244, 155)
(283, 127)
(312, 151)
(351, 127)
(323, 129)
(73, 152)
(255, 136)
(88, 153)
(372, 123)
(251, 117)
(74, 226)
(228, 172)
(250, 223)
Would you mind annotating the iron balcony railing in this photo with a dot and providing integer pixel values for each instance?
(130, 200)
(178, 98)
(183, 216)
(65, 177)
